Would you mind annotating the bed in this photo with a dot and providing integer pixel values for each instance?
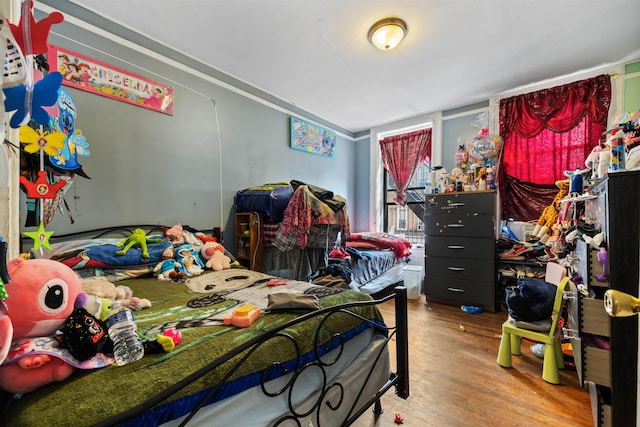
(296, 240)
(324, 366)
(376, 261)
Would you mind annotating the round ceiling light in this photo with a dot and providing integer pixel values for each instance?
(387, 33)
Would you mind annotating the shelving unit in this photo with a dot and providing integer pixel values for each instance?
(248, 240)
(610, 371)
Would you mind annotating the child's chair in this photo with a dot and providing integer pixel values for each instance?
(553, 358)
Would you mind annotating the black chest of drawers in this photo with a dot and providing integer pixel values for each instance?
(460, 248)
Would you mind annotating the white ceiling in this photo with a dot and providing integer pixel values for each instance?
(315, 54)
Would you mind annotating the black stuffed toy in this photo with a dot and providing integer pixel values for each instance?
(84, 335)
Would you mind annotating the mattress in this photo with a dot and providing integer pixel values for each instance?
(390, 277)
(367, 264)
(252, 408)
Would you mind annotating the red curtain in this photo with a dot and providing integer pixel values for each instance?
(546, 133)
(401, 156)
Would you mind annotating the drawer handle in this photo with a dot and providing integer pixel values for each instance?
(458, 290)
(455, 205)
(455, 225)
(456, 268)
(455, 247)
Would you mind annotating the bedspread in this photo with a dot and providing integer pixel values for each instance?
(104, 392)
(304, 211)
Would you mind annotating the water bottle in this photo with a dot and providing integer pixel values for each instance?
(127, 346)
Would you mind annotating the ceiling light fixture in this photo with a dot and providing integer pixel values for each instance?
(387, 33)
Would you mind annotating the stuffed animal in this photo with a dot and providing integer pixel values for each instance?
(174, 235)
(213, 253)
(178, 236)
(549, 216)
(188, 257)
(102, 294)
(42, 295)
(169, 268)
(138, 240)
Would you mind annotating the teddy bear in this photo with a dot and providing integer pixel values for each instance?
(213, 253)
(102, 294)
(42, 294)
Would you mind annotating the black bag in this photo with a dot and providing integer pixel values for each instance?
(531, 299)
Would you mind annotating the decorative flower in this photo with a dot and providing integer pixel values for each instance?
(35, 140)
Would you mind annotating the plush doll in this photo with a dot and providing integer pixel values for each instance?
(169, 268)
(550, 214)
(214, 255)
(138, 240)
(42, 295)
(188, 257)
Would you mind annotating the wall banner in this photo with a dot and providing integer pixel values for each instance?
(97, 77)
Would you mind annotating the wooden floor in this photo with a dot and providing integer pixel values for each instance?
(455, 380)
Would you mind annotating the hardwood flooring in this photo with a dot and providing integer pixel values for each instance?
(455, 380)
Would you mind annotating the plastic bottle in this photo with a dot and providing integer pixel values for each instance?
(127, 346)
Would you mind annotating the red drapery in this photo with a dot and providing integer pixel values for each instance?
(546, 133)
(401, 156)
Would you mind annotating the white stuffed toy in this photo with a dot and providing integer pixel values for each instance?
(213, 253)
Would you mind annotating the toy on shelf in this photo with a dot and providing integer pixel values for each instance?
(550, 214)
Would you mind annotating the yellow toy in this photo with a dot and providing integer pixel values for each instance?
(243, 316)
(550, 214)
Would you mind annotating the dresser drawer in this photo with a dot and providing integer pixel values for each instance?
(471, 203)
(460, 247)
(595, 319)
(462, 269)
(447, 290)
(459, 225)
(596, 364)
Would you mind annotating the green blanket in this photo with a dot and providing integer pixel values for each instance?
(88, 397)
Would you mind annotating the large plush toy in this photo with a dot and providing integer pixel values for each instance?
(549, 216)
(42, 294)
(138, 240)
(213, 253)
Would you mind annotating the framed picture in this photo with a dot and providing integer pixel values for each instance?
(312, 138)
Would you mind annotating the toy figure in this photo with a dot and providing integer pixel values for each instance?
(139, 240)
(169, 268)
(188, 257)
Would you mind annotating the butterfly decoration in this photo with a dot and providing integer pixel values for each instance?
(44, 94)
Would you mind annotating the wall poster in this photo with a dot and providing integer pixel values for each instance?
(312, 138)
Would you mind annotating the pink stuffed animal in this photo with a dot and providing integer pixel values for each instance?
(42, 294)
(213, 253)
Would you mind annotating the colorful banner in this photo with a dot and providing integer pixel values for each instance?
(97, 77)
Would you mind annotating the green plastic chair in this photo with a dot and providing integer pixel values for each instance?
(553, 357)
